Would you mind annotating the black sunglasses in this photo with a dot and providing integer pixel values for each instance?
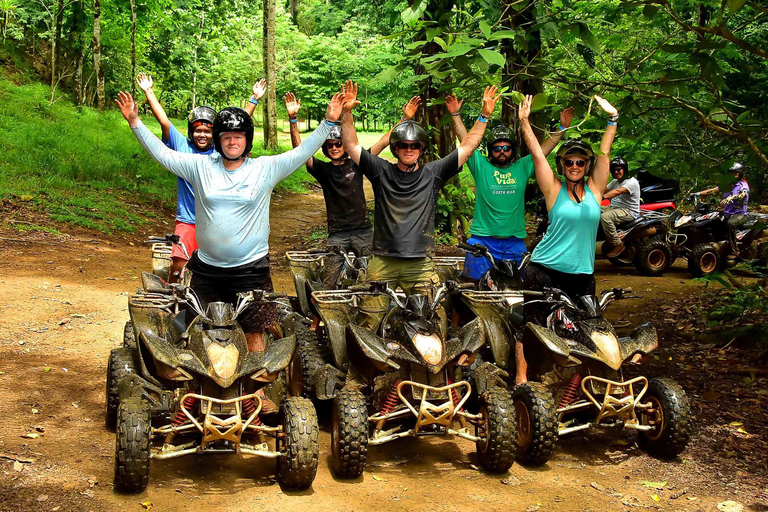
(336, 144)
(497, 149)
(577, 163)
(407, 145)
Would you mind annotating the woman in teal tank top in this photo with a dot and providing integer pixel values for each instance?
(565, 257)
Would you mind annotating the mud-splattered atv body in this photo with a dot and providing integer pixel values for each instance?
(575, 361)
(161, 247)
(192, 387)
(411, 378)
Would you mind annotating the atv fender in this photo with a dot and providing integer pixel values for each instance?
(171, 356)
(136, 386)
(336, 317)
(300, 283)
(378, 349)
(642, 339)
(552, 342)
(471, 337)
(277, 356)
(497, 329)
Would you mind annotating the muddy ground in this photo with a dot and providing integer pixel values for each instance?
(63, 304)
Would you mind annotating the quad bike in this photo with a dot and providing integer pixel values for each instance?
(645, 239)
(709, 243)
(192, 387)
(575, 361)
(412, 378)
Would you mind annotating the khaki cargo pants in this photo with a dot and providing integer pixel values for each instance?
(612, 216)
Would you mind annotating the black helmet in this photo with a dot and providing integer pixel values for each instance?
(619, 163)
(334, 134)
(233, 119)
(574, 147)
(408, 130)
(498, 133)
(737, 167)
(202, 114)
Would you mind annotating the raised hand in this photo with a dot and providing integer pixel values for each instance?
(607, 107)
(525, 109)
(145, 81)
(259, 88)
(489, 100)
(566, 117)
(292, 105)
(453, 104)
(349, 96)
(333, 112)
(128, 108)
(410, 108)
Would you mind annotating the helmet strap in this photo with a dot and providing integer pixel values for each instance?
(575, 185)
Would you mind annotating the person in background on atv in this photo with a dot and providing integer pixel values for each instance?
(406, 196)
(232, 204)
(565, 257)
(349, 228)
(199, 140)
(624, 193)
(500, 180)
(734, 203)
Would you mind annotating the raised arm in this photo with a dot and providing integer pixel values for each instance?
(453, 106)
(545, 178)
(292, 106)
(475, 135)
(184, 165)
(348, 133)
(409, 110)
(259, 88)
(598, 178)
(145, 83)
(566, 116)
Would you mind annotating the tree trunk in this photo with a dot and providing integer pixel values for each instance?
(294, 7)
(270, 105)
(58, 20)
(133, 48)
(100, 93)
(77, 77)
(194, 56)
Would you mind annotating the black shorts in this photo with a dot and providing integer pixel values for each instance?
(538, 277)
(220, 284)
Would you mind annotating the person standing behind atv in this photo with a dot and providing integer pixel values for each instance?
(406, 196)
(565, 257)
(349, 228)
(232, 204)
(498, 222)
(624, 193)
(198, 141)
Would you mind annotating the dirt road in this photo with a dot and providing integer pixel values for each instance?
(63, 303)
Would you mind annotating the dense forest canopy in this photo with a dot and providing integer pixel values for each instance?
(687, 76)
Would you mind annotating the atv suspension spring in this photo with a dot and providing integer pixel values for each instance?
(180, 417)
(249, 408)
(571, 391)
(392, 398)
(454, 395)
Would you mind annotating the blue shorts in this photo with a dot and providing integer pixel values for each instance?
(511, 248)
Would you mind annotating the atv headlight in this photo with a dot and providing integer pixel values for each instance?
(430, 346)
(223, 359)
(682, 220)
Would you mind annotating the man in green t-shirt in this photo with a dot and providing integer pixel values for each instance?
(500, 181)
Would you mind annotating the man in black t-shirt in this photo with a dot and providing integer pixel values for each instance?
(406, 195)
(349, 227)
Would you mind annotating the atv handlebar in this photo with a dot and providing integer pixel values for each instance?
(167, 239)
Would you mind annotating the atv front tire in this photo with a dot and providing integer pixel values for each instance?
(654, 256)
(537, 424)
(122, 363)
(349, 434)
(704, 260)
(133, 445)
(670, 416)
(497, 450)
(297, 465)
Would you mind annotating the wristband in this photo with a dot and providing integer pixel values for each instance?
(329, 123)
(253, 100)
(456, 114)
(482, 118)
(293, 120)
(614, 118)
(611, 123)
(560, 127)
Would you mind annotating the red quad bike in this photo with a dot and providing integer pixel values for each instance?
(190, 386)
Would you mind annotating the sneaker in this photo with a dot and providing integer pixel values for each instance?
(616, 251)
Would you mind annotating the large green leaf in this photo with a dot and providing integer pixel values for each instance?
(736, 5)
(485, 28)
(492, 57)
(588, 37)
(539, 101)
(502, 34)
(412, 14)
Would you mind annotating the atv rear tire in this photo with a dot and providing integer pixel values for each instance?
(653, 257)
(498, 450)
(129, 339)
(671, 417)
(537, 424)
(297, 466)
(349, 434)
(133, 445)
(704, 260)
(122, 363)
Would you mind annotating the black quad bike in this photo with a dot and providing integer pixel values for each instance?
(645, 239)
(412, 378)
(709, 243)
(575, 360)
(190, 386)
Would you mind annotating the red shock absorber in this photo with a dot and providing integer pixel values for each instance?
(454, 394)
(180, 417)
(249, 408)
(571, 391)
(392, 398)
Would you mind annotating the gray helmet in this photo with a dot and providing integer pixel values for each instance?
(203, 114)
(574, 147)
(739, 168)
(334, 134)
(498, 133)
(408, 131)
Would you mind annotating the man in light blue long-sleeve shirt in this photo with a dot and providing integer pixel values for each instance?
(232, 195)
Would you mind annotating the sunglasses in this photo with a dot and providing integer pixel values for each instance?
(577, 163)
(407, 145)
(498, 149)
(330, 145)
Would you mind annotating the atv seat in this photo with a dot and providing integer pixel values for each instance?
(630, 224)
